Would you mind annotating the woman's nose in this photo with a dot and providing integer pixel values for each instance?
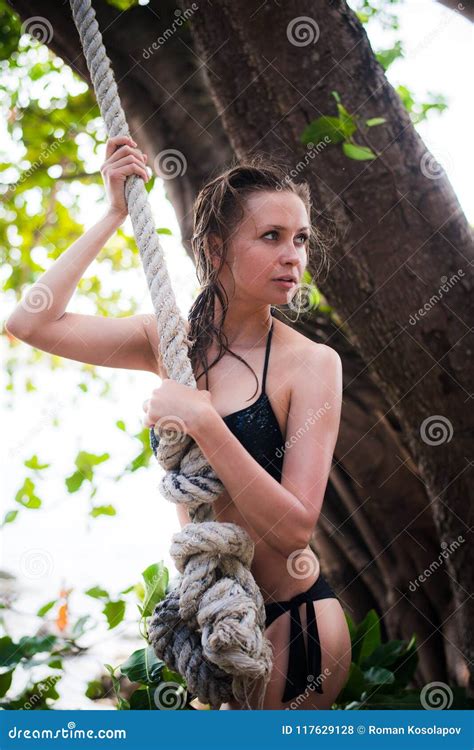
(290, 252)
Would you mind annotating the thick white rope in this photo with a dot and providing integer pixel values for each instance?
(210, 626)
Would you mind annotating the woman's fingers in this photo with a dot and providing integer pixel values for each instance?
(116, 141)
(126, 166)
(126, 151)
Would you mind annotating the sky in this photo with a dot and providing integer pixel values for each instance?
(58, 544)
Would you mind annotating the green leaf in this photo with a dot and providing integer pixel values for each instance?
(12, 653)
(156, 580)
(33, 463)
(26, 495)
(143, 666)
(123, 4)
(405, 666)
(347, 121)
(406, 96)
(366, 637)
(79, 627)
(45, 608)
(168, 675)
(103, 510)
(354, 686)
(164, 230)
(114, 612)
(5, 682)
(9, 516)
(97, 593)
(359, 153)
(74, 482)
(385, 655)
(140, 591)
(373, 121)
(8, 652)
(120, 424)
(142, 700)
(329, 128)
(351, 625)
(379, 676)
(387, 56)
(86, 461)
(95, 689)
(149, 185)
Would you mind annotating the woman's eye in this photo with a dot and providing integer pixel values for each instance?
(303, 237)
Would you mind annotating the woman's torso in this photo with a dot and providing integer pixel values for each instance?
(231, 384)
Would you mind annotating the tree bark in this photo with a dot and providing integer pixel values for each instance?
(376, 533)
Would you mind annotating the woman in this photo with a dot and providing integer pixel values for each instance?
(252, 229)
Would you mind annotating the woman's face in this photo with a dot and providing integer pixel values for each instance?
(271, 241)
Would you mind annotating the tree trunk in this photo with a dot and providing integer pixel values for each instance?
(376, 533)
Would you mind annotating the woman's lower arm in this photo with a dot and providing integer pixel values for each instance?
(274, 513)
(47, 299)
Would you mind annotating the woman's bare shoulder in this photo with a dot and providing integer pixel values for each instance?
(297, 348)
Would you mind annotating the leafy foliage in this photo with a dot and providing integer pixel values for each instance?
(381, 672)
(341, 129)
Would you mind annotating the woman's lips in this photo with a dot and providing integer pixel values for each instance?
(285, 284)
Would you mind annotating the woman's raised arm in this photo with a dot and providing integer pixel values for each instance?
(41, 319)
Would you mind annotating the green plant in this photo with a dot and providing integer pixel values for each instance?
(381, 672)
(156, 685)
(341, 129)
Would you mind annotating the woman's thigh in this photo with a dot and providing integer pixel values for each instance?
(335, 659)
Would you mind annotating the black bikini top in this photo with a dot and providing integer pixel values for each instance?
(257, 428)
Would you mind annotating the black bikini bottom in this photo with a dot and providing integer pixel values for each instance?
(302, 668)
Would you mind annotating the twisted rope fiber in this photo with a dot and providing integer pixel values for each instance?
(210, 625)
